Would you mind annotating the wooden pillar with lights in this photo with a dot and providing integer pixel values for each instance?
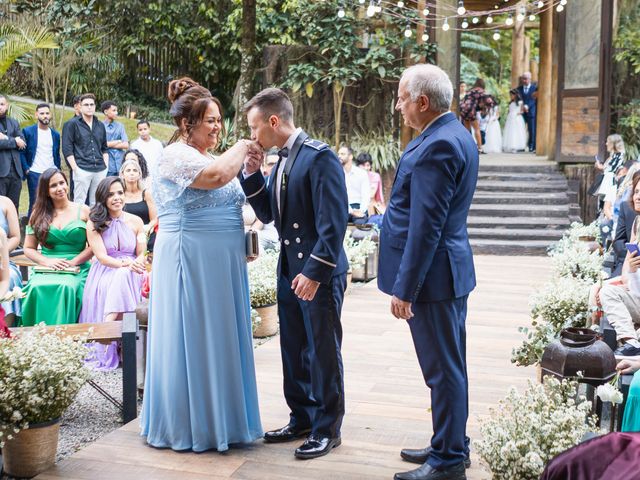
(518, 48)
(545, 85)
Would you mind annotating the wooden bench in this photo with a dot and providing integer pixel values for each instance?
(125, 331)
(20, 259)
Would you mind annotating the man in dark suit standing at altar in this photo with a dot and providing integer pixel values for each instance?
(529, 94)
(306, 197)
(426, 262)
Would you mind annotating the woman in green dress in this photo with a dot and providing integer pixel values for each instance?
(54, 292)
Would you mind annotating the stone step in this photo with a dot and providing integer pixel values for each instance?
(508, 247)
(521, 177)
(539, 186)
(548, 198)
(519, 210)
(543, 223)
(515, 234)
(542, 168)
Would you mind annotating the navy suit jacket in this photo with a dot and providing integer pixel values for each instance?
(527, 98)
(31, 137)
(425, 255)
(9, 150)
(314, 209)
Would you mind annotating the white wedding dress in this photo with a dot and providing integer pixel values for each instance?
(515, 131)
(493, 135)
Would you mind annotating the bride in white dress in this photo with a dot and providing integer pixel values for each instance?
(515, 131)
(493, 135)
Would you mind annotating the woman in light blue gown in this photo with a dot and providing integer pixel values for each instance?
(11, 226)
(200, 391)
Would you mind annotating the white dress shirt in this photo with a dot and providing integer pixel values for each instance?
(358, 187)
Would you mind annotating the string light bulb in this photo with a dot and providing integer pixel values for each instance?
(496, 35)
(540, 4)
(563, 2)
(464, 23)
(400, 4)
(407, 31)
(378, 6)
(445, 24)
(425, 37)
(560, 7)
(341, 13)
(371, 10)
(509, 20)
(425, 12)
(461, 9)
(361, 2)
(489, 20)
(475, 20)
(532, 18)
(521, 15)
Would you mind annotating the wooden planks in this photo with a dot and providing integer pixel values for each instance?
(386, 399)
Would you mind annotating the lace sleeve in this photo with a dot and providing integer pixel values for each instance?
(176, 170)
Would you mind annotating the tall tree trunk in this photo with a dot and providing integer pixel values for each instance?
(338, 99)
(247, 66)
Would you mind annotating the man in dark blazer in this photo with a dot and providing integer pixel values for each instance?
(306, 196)
(426, 262)
(529, 94)
(11, 142)
(42, 151)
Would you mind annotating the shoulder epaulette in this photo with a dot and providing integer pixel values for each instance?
(317, 144)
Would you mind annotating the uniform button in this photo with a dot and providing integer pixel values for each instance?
(298, 240)
(300, 255)
(286, 242)
(295, 225)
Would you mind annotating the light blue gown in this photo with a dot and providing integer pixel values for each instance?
(15, 279)
(200, 387)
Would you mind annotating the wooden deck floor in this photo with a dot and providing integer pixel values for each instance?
(387, 401)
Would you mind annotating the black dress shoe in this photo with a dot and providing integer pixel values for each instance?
(285, 434)
(427, 472)
(420, 456)
(316, 446)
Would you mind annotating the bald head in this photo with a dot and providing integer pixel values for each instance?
(430, 81)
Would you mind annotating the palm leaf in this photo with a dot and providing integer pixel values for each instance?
(18, 40)
(18, 112)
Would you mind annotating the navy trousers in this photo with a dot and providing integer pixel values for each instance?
(530, 118)
(310, 343)
(439, 337)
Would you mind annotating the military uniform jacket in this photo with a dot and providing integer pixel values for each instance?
(313, 214)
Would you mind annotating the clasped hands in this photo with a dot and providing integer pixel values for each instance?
(20, 143)
(254, 158)
(135, 265)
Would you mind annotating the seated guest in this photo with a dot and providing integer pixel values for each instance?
(11, 226)
(138, 157)
(628, 211)
(358, 189)
(114, 284)
(5, 279)
(631, 419)
(376, 201)
(59, 226)
(137, 200)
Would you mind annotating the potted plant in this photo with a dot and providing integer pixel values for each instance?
(357, 252)
(263, 288)
(528, 429)
(41, 375)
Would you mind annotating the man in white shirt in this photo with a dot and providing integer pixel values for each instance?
(42, 151)
(358, 187)
(150, 148)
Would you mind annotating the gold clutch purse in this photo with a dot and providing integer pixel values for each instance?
(252, 244)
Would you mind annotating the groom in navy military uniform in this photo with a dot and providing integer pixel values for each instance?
(529, 94)
(306, 196)
(426, 262)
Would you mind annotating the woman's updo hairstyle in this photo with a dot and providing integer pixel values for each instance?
(189, 103)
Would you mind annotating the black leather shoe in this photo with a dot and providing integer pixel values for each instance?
(285, 434)
(420, 456)
(427, 472)
(316, 446)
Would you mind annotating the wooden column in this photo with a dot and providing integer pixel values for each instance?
(555, 87)
(545, 86)
(518, 52)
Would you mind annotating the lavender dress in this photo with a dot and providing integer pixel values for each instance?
(111, 290)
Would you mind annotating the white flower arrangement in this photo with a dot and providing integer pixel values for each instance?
(528, 429)
(561, 304)
(574, 258)
(41, 375)
(12, 295)
(263, 279)
(358, 251)
(256, 320)
(609, 391)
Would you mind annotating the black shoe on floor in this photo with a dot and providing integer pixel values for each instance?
(627, 350)
(420, 455)
(316, 446)
(285, 434)
(427, 472)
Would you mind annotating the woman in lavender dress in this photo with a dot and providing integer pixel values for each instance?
(114, 283)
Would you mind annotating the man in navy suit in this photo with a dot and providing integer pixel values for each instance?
(11, 142)
(529, 94)
(306, 196)
(42, 152)
(426, 262)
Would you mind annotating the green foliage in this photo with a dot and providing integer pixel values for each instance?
(18, 39)
(629, 127)
(384, 149)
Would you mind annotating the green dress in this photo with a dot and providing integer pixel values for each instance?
(631, 419)
(56, 298)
